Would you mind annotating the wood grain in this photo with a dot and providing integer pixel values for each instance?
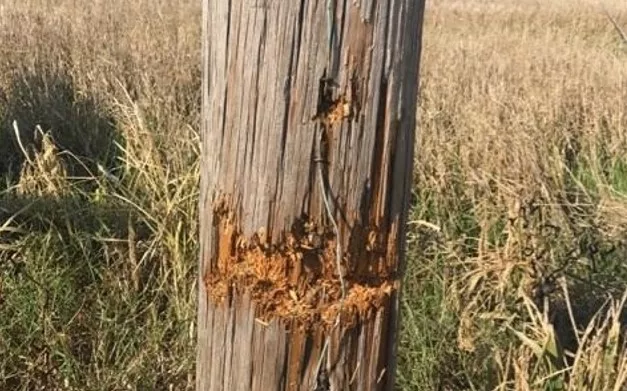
(263, 62)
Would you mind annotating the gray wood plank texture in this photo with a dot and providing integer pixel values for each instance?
(265, 102)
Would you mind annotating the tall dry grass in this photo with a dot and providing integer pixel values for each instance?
(517, 242)
(521, 164)
(98, 212)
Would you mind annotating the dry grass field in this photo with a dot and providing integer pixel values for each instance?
(518, 236)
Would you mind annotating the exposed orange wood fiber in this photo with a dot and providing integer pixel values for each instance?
(296, 280)
(307, 158)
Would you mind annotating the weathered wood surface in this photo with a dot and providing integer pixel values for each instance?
(264, 66)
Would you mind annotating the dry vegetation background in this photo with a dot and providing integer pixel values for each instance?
(518, 237)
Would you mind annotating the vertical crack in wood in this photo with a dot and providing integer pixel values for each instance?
(230, 343)
(259, 343)
(261, 269)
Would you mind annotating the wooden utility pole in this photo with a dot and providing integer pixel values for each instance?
(308, 136)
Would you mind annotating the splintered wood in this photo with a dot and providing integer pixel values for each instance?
(296, 280)
(308, 136)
